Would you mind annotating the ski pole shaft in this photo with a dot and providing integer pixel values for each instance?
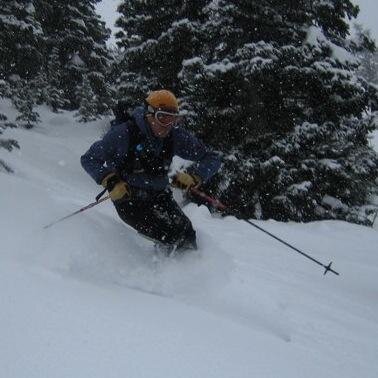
(218, 205)
(78, 211)
(327, 267)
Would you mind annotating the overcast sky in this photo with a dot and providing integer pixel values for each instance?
(108, 10)
(368, 14)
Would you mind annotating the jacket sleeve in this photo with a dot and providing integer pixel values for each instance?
(188, 147)
(101, 158)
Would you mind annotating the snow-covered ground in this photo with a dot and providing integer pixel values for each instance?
(88, 298)
(374, 140)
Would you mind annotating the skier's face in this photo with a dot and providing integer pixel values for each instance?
(162, 122)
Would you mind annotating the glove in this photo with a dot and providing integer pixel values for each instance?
(117, 188)
(186, 181)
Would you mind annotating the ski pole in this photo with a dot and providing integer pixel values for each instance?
(78, 211)
(327, 267)
(218, 205)
(211, 201)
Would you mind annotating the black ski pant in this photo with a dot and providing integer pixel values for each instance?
(157, 216)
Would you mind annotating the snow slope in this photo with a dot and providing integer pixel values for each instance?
(374, 140)
(88, 298)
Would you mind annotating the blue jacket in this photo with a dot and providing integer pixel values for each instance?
(108, 155)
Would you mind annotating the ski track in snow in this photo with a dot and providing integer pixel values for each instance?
(238, 274)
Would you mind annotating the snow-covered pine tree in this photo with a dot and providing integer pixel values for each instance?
(8, 144)
(55, 95)
(279, 94)
(75, 33)
(23, 98)
(156, 37)
(87, 108)
(21, 42)
(368, 68)
(21, 54)
(38, 85)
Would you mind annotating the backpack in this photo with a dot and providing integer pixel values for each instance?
(122, 111)
(141, 157)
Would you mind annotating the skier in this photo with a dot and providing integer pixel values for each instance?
(132, 161)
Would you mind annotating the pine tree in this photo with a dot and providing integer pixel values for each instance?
(8, 144)
(55, 95)
(87, 108)
(21, 42)
(369, 66)
(367, 54)
(74, 33)
(156, 37)
(368, 69)
(21, 55)
(278, 93)
(23, 98)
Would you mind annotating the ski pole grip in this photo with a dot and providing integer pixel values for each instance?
(210, 200)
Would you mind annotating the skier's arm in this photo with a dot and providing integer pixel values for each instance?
(101, 158)
(188, 147)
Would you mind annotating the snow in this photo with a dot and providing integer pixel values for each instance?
(76, 60)
(88, 298)
(30, 8)
(303, 187)
(12, 21)
(330, 164)
(222, 67)
(333, 202)
(192, 61)
(316, 38)
(212, 68)
(79, 22)
(374, 140)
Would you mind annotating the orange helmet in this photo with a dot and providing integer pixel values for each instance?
(163, 100)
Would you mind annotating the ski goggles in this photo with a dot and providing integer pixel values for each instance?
(165, 118)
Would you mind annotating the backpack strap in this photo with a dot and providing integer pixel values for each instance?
(135, 137)
(141, 157)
